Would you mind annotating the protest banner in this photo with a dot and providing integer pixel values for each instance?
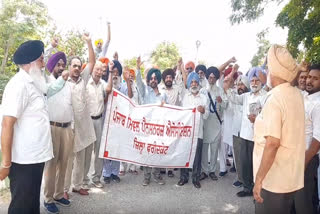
(149, 135)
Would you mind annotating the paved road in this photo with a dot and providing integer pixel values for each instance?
(129, 196)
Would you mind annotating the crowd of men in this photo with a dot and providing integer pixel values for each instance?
(267, 119)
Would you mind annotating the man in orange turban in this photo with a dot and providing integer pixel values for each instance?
(105, 62)
(190, 67)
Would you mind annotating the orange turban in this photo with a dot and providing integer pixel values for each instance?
(190, 64)
(132, 72)
(83, 66)
(104, 60)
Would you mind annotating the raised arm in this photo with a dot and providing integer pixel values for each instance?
(92, 60)
(140, 84)
(180, 68)
(129, 86)
(55, 86)
(106, 44)
(224, 65)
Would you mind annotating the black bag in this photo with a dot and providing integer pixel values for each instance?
(213, 105)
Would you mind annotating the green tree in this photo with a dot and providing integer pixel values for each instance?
(20, 20)
(301, 17)
(132, 64)
(263, 46)
(166, 55)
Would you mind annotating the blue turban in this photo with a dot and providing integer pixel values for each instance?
(254, 72)
(213, 70)
(155, 71)
(192, 76)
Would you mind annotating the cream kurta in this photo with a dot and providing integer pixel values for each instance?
(212, 126)
(282, 117)
(83, 126)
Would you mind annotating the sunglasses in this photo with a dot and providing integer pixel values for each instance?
(190, 68)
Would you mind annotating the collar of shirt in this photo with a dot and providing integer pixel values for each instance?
(71, 80)
(25, 75)
(314, 95)
(92, 82)
(190, 94)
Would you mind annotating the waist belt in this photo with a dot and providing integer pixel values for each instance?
(96, 117)
(62, 125)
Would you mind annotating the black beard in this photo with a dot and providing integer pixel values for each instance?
(168, 84)
(153, 85)
(240, 91)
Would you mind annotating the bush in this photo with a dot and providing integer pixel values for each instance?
(4, 79)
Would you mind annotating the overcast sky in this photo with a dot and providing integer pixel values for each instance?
(138, 26)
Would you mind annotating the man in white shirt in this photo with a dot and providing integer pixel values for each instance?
(312, 129)
(243, 86)
(212, 125)
(25, 138)
(195, 99)
(252, 103)
(151, 94)
(60, 115)
(97, 91)
(174, 89)
(84, 134)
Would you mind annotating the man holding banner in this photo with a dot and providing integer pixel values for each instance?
(197, 100)
(151, 95)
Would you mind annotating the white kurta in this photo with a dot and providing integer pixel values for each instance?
(83, 126)
(212, 126)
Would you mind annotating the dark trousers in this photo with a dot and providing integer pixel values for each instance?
(275, 203)
(237, 156)
(25, 185)
(196, 169)
(246, 166)
(304, 199)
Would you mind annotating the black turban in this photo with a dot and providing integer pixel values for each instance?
(202, 68)
(167, 72)
(28, 52)
(116, 65)
(213, 70)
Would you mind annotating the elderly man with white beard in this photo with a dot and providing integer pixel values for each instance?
(212, 125)
(252, 103)
(195, 99)
(26, 138)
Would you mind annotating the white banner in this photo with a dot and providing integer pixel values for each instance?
(149, 135)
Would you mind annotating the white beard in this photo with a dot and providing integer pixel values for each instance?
(37, 75)
(255, 89)
(116, 83)
(194, 90)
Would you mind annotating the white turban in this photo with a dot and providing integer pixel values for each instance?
(244, 80)
(281, 64)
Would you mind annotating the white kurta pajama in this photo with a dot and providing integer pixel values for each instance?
(212, 129)
(84, 133)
